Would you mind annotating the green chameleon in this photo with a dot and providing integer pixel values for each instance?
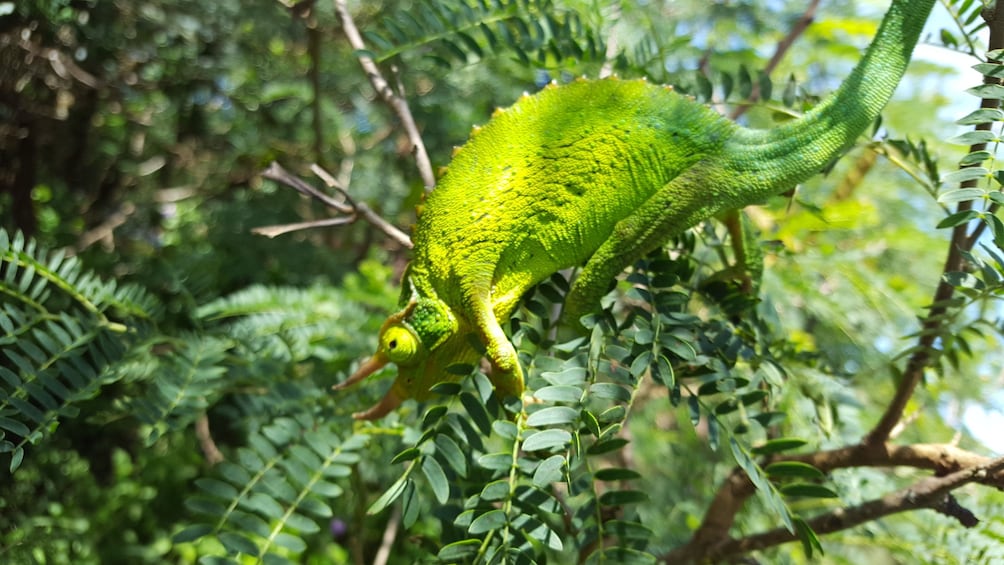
(596, 173)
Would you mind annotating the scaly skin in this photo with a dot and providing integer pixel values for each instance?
(597, 173)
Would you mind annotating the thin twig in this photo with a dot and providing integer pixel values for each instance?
(783, 46)
(389, 535)
(397, 103)
(362, 209)
(351, 209)
(212, 453)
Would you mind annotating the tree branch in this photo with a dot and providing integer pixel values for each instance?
(351, 209)
(942, 459)
(960, 243)
(931, 492)
(398, 104)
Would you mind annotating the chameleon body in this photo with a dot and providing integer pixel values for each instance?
(596, 173)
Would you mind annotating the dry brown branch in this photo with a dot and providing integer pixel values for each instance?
(393, 99)
(945, 460)
(344, 205)
(932, 492)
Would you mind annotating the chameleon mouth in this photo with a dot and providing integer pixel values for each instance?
(370, 366)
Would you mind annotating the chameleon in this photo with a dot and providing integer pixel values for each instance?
(596, 173)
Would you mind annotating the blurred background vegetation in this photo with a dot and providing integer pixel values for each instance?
(133, 137)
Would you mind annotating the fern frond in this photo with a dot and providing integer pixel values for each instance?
(274, 492)
(449, 32)
(62, 328)
(288, 324)
(187, 381)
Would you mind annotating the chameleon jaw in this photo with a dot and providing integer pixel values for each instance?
(389, 402)
(370, 366)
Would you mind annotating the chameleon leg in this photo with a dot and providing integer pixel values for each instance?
(507, 376)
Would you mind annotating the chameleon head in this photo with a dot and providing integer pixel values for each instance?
(421, 340)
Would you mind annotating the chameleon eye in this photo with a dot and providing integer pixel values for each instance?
(399, 344)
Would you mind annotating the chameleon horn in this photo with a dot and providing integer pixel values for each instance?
(370, 366)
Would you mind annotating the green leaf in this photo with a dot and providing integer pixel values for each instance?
(496, 461)
(491, 520)
(390, 495)
(290, 542)
(406, 455)
(559, 393)
(809, 490)
(238, 543)
(547, 439)
(217, 488)
(975, 137)
(552, 415)
(622, 497)
(793, 469)
(966, 174)
(987, 91)
(550, 470)
(610, 391)
(810, 542)
(607, 445)
(451, 453)
(16, 457)
(572, 376)
(192, 533)
(458, 551)
(961, 195)
(477, 411)
(958, 218)
(778, 445)
(982, 116)
(495, 491)
(433, 471)
(505, 429)
(616, 474)
(411, 505)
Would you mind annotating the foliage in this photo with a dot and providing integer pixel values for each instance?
(165, 375)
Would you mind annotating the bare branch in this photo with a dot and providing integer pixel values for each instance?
(398, 104)
(932, 492)
(352, 210)
(941, 459)
(212, 453)
(363, 210)
(281, 229)
(389, 535)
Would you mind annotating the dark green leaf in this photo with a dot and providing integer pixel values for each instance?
(793, 469)
(809, 490)
(433, 471)
(778, 445)
(491, 520)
